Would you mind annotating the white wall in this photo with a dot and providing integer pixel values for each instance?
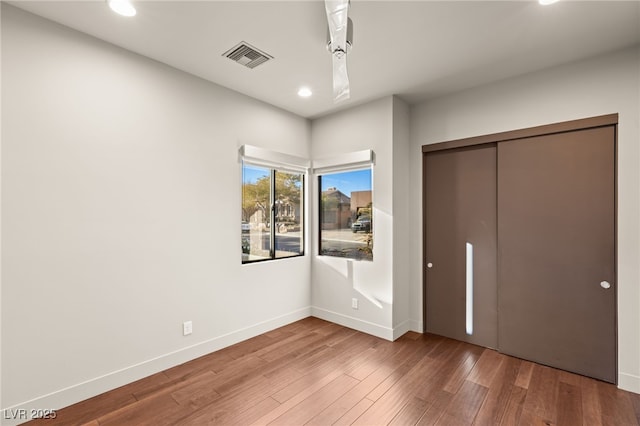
(403, 220)
(602, 85)
(334, 281)
(381, 286)
(120, 188)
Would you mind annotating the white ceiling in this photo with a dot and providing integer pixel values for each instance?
(415, 49)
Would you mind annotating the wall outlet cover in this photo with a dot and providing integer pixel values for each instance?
(187, 328)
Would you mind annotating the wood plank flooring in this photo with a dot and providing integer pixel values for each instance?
(313, 372)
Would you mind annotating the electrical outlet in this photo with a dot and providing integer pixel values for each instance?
(354, 303)
(187, 328)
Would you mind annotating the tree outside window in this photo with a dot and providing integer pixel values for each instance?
(272, 213)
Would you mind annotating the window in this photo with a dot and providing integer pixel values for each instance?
(346, 214)
(272, 213)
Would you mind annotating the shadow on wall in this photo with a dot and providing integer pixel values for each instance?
(366, 277)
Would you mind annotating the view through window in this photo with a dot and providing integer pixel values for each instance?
(272, 213)
(346, 214)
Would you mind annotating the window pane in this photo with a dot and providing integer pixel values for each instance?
(346, 215)
(288, 214)
(256, 201)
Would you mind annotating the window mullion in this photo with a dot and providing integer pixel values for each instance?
(272, 200)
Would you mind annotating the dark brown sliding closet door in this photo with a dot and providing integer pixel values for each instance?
(556, 258)
(460, 221)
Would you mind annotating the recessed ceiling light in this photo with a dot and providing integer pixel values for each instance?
(304, 92)
(122, 7)
(546, 2)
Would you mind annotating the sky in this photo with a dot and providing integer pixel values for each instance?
(250, 174)
(347, 182)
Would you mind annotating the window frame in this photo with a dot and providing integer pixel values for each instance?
(276, 163)
(349, 162)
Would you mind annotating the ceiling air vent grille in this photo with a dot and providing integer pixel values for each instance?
(247, 55)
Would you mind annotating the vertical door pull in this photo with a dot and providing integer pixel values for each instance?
(469, 290)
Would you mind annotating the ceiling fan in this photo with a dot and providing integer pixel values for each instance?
(340, 39)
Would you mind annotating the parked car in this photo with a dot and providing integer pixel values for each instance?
(363, 223)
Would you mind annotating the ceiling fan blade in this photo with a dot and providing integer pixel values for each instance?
(337, 18)
(340, 78)
(337, 11)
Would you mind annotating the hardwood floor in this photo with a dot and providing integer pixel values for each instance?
(317, 373)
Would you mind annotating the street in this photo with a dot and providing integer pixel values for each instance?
(336, 242)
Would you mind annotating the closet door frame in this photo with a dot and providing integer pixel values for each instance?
(562, 127)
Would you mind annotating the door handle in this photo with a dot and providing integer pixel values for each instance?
(429, 265)
(605, 285)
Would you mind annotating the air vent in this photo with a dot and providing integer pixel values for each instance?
(247, 55)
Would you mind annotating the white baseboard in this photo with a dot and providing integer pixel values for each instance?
(64, 397)
(408, 325)
(401, 329)
(417, 326)
(354, 323)
(629, 382)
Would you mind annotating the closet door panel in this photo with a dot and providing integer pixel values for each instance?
(460, 210)
(556, 258)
